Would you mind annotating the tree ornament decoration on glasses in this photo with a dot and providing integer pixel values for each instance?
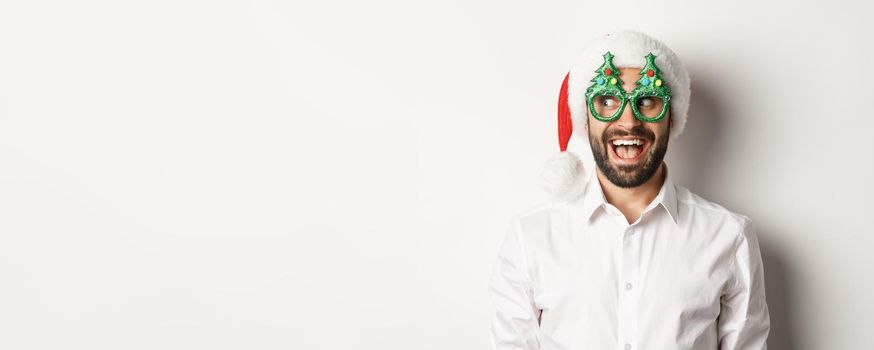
(606, 98)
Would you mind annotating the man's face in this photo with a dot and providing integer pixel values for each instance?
(629, 166)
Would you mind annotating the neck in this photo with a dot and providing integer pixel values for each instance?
(633, 200)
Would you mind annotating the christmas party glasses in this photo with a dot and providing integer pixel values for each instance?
(650, 100)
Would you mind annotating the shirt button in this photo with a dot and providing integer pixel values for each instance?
(628, 286)
(629, 230)
(627, 346)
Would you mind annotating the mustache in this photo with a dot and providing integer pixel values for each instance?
(637, 131)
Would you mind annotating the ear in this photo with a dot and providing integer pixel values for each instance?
(670, 121)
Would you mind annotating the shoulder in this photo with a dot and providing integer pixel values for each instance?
(703, 213)
(539, 213)
(538, 219)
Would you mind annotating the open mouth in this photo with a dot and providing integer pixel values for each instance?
(628, 150)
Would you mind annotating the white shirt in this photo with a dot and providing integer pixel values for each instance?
(686, 275)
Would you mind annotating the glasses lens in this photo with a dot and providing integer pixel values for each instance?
(650, 106)
(606, 106)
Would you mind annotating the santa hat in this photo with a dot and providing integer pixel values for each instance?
(564, 174)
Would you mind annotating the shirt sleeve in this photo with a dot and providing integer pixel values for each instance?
(744, 322)
(516, 321)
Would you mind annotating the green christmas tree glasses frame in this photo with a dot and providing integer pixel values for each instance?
(607, 99)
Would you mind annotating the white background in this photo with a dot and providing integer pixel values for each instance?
(338, 175)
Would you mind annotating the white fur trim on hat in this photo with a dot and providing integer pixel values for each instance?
(629, 49)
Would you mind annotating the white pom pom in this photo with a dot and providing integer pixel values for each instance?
(564, 176)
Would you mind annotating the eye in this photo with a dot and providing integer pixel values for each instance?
(606, 104)
(645, 102)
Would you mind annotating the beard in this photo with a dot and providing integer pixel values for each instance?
(633, 175)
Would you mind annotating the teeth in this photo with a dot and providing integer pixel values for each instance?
(636, 142)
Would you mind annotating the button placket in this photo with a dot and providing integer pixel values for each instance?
(629, 296)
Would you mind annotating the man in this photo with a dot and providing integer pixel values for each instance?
(626, 259)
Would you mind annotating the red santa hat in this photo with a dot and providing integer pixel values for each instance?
(564, 174)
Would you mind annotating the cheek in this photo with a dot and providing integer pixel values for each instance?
(595, 127)
(662, 128)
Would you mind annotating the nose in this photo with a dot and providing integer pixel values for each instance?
(627, 120)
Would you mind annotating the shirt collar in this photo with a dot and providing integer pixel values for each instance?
(593, 198)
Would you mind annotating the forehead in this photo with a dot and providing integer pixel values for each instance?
(629, 77)
(630, 70)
